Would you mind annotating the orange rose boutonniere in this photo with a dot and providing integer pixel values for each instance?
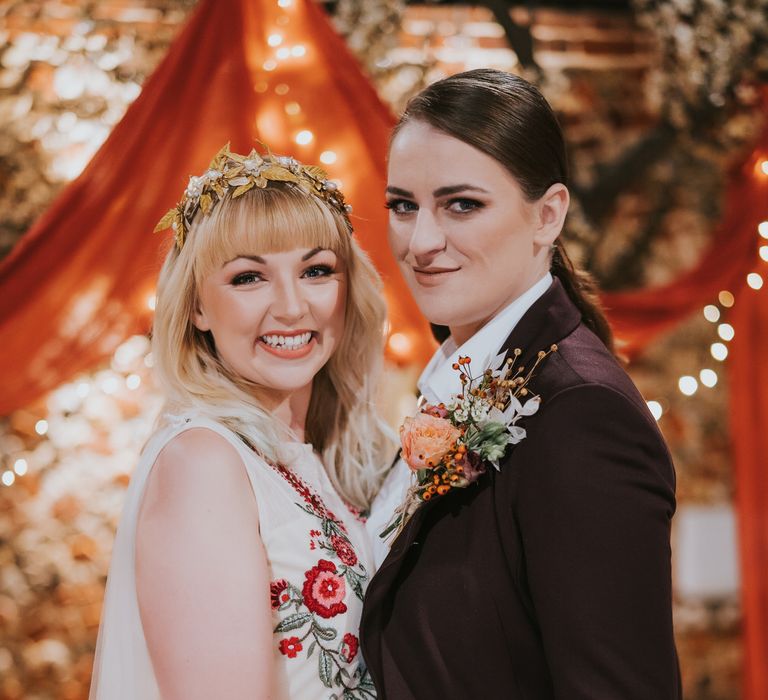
(450, 445)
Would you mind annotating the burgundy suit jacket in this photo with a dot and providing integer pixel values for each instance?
(549, 579)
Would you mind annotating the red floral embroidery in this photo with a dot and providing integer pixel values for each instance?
(324, 590)
(343, 548)
(357, 513)
(290, 647)
(349, 647)
(278, 593)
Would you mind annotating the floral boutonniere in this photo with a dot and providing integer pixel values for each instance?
(450, 445)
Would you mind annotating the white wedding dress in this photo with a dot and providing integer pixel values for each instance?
(320, 560)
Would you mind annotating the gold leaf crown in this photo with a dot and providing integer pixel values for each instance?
(238, 173)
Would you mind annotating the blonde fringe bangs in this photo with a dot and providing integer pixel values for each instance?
(342, 422)
(270, 220)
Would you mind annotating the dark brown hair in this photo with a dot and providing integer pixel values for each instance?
(507, 118)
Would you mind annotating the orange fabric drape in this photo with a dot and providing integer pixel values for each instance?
(639, 316)
(749, 423)
(77, 284)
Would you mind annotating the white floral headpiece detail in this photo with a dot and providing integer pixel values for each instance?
(237, 173)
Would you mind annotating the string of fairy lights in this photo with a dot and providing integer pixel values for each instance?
(689, 384)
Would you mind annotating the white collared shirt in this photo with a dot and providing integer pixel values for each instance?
(437, 383)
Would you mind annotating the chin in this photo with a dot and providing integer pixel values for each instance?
(439, 312)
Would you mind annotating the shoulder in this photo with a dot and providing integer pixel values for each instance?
(583, 369)
(197, 466)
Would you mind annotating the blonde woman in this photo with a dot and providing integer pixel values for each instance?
(240, 562)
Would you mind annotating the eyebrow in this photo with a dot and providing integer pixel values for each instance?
(440, 191)
(261, 261)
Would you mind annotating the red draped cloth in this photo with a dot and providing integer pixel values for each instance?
(78, 283)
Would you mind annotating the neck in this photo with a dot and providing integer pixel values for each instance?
(290, 408)
(463, 332)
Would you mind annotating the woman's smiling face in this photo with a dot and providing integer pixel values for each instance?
(467, 240)
(275, 318)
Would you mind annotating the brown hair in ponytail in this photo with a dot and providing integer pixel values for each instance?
(507, 118)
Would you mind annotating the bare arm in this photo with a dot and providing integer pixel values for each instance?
(202, 575)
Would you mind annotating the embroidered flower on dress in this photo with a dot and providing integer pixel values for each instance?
(344, 550)
(278, 593)
(290, 647)
(324, 590)
(313, 610)
(349, 647)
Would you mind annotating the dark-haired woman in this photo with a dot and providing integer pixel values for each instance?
(549, 578)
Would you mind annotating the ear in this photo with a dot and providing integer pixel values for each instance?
(551, 210)
(199, 319)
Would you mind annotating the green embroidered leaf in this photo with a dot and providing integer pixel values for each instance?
(325, 665)
(326, 633)
(357, 587)
(293, 622)
(311, 649)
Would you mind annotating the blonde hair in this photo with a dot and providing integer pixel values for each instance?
(342, 422)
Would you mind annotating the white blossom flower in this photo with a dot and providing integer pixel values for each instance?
(194, 187)
(253, 165)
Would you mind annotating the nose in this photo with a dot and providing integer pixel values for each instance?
(289, 303)
(427, 239)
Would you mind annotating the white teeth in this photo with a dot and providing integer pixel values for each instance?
(291, 342)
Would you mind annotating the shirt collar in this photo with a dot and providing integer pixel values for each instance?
(439, 380)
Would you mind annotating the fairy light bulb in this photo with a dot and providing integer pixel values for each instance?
(719, 351)
(20, 466)
(328, 157)
(400, 344)
(133, 381)
(655, 408)
(726, 331)
(754, 280)
(41, 427)
(712, 313)
(726, 299)
(708, 377)
(688, 385)
(275, 39)
(762, 229)
(304, 137)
